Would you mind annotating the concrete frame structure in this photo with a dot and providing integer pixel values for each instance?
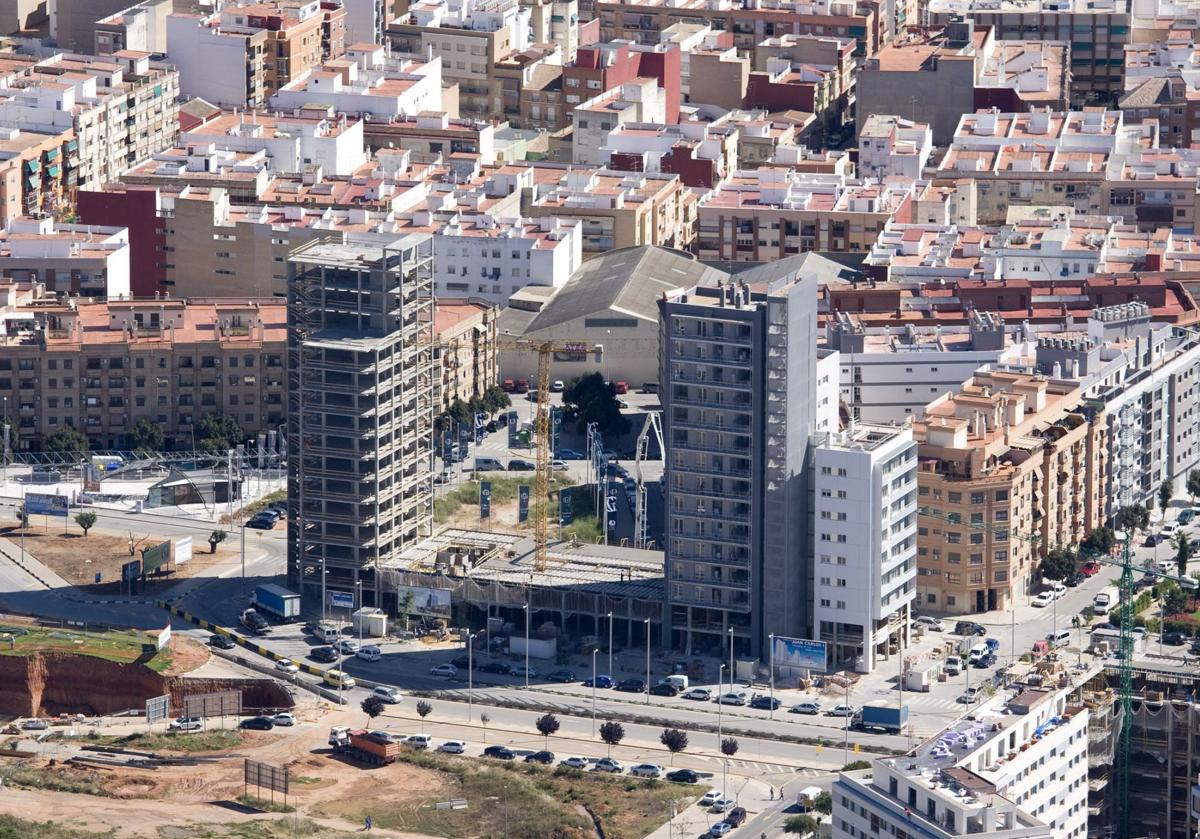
(360, 410)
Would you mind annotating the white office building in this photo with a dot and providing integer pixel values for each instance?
(864, 542)
(494, 258)
(1016, 768)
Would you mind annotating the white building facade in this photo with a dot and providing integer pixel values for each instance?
(493, 258)
(70, 259)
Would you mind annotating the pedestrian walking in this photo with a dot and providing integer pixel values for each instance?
(368, 824)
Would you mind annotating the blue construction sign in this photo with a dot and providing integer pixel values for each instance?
(485, 499)
(522, 503)
(511, 418)
(480, 422)
(566, 514)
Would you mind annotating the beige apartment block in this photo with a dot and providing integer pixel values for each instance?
(102, 367)
(464, 349)
(1010, 468)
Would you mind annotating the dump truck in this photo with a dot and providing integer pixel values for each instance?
(276, 602)
(362, 746)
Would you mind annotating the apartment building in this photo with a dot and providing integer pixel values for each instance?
(1097, 31)
(120, 110)
(700, 153)
(639, 100)
(220, 60)
(555, 22)
(1042, 158)
(67, 259)
(1011, 467)
(864, 543)
(889, 376)
(470, 36)
(101, 367)
(491, 259)
(1161, 83)
(603, 67)
(33, 178)
(367, 20)
(366, 82)
(71, 21)
(361, 394)
(1015, 768)
(465, 350)
(435, 135)
(936, 75)
(770, 213)
(311, 138)
(141, 27)
(891, 146)
(738, 373)
(1155, 188)
(619, 209)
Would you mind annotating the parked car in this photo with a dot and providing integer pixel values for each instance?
(736, 817)
(543, 757)
(177, 724)
(607, 764)
(809, 706)
(985, 661)
(683, 776)
(1090, 568)
(1168, 530)
(601, 681)
(954, 665)
(418, 741)
(453, 747)
(499, 752)
(646, 770)
(559, 465)
(286, 665)
(519, 465)
(931, 624)
(732, 697)
(709, 797)
(1043, 599)
(447, 670)
(570, 454)
(1186, 516)
(664, 689)
(258, 723)
(494, 667)
(557, 386)
(1174, 639)
(968, 628)
(720, 828)
(1058, 590)
(968, 696)
(698, 694)
(388, 694)
(462, 662)
(1075, 578)
(574, 762)
(369, 653)
(1153, 540)
(262, 521)
(347, 646)
(631, 686)
(561, 676)
(284, 718)
(325, 654)
(842, 710)
(721, 805)
(764, 702)
(222, 642)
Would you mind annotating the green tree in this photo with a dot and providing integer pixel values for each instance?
(729, 746)
(800, 825)
(1133, 517)
(1059, 564)
(1174, 600)
(1193, 484)
(1165, 491)
(1098, 543)
(595, 400)
(675, 741)
(66, 440)
(495, 399)
(145, 437)
(404, 606)
(612, 733)
(547, 724)
(86, 520)
(215, 538)
(855, 765)
(372, 706)
(484, 719)
(1183, 549)
(217, 433)
(823, 803)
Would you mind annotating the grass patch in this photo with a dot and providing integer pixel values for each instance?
(504, 490)
(265, 804)
(189, 741)
(585, 528)
(13, 828)
(121, 647)
(57, 780)
(527, 800)
(259, 829)
(257, 506)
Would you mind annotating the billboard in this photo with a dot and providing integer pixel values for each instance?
(522, 502)
(183, 550)
(264, 775)
(225, 703)
(566, 514)
(91, 477)
(158, 708)
(511, 420)
(798, 652)
(155, 558)
(480, 422)
(434, 602)
(162, 637)
(341, 599)
(131, 570)
(42, 504)
(485, 499)
(610, 509)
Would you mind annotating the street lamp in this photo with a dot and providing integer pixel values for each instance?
(358, 592)
(526, 608)
(594, 651)
(771, 666)
(470, 674)
(610, 670)
(720, 704)
(647, 622)
(731, 659)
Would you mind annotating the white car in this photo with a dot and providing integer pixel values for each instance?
(646, 770)
(810, 706)
(607, 764)
(286, 665)
(369, 653)
(720, 829)
(557, 386)
(186, 724)
(968, 696)
(559, 465)
(932, 624)
(721, 805)
(575, 762)
(1043, 599)
(699, 694)
(443, 670)
(1168, 530)
(453, 747)
(733, 697)
(709, 797)
(1059, 591)
(842, 710)
(388, 694)
(284, 718)
(520, 670)
(418, 741)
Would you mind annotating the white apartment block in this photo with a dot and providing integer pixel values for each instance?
(1016, 768)
(892, 146)
(865, 541)
(70, 259)
(640, 100)
(366, 20)
(219, 62)
(367, 82)
(493, 258)
(335, 143)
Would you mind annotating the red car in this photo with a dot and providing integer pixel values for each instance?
(1090, 567)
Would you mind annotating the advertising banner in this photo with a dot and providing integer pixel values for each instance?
(610, 509)
(156, 557)
(566, 514)
(91, 477)
(798, 652)
(43, 504)
(511, 419)
(183, 550)
(480, 422)
(556, 416)
(434, 602)
(485, 499)
(522, 503)
(341, 599)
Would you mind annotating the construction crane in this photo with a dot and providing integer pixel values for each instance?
(541, 430)
(640, 453)
(1124, 651)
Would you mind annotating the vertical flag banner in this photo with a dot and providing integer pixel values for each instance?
(522, 502)
(485, 499)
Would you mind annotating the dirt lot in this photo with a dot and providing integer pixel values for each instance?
(78, 558)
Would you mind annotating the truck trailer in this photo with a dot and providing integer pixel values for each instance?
(881, 718)
(360, 745)
(276, 602)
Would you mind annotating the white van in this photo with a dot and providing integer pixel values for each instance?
(677, 681)
(326, 633)
(953, 665)
(1104, 601)
(977, 652)
(1058, 639)
(418, 741)
(388, 694)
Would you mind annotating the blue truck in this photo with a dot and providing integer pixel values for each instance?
(276, 601)
(881, 718)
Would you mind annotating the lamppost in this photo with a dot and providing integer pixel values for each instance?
(647, 622)
(771, 666)
(731, 659)
(610, 634)
(470, 674)
(526, 608)
(594, 651)
(720, 704)
(358, 597)
(324, 595)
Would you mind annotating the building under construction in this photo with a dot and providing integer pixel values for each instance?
(360, 411)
